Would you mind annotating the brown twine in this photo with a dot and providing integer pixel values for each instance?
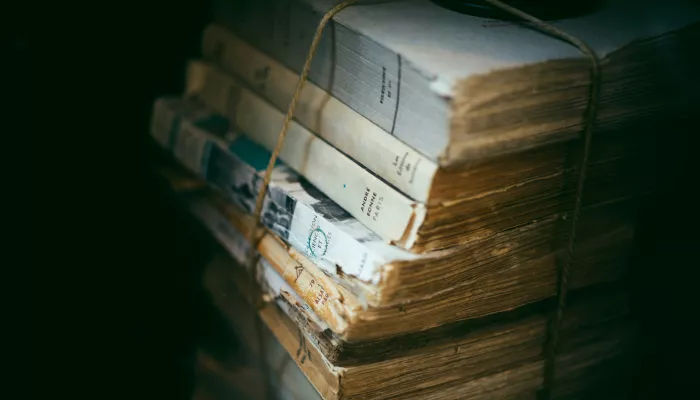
(590, 116)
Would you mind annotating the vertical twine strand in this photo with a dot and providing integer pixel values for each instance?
(590, 116)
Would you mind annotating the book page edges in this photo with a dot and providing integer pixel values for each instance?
(324, 376)
(315, 290)
(491, 93)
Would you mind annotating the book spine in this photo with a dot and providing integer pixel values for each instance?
(281, 274)
(278, 287)
(367, 143)
(370, 78)
(308, 221)
(378, 206)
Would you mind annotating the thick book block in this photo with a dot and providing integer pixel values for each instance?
(457, 88)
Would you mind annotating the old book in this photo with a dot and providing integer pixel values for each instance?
(457, 87)
(483, 199)
(499, 358)
(339, 308)
(316, 232)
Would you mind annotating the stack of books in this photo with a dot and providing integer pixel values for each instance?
(499, 356)
(421, 204)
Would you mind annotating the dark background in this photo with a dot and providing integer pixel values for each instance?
(118, 274)
(164, 260)
(106, 294)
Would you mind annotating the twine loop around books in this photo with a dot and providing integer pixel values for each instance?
(589, 122)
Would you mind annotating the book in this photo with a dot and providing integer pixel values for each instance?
(388, 212)
(446, 287)
(453, 366)
(318, 230)
(457, 87)
(294, 209)
(501, 357)
(340, 310)
(497, 195)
